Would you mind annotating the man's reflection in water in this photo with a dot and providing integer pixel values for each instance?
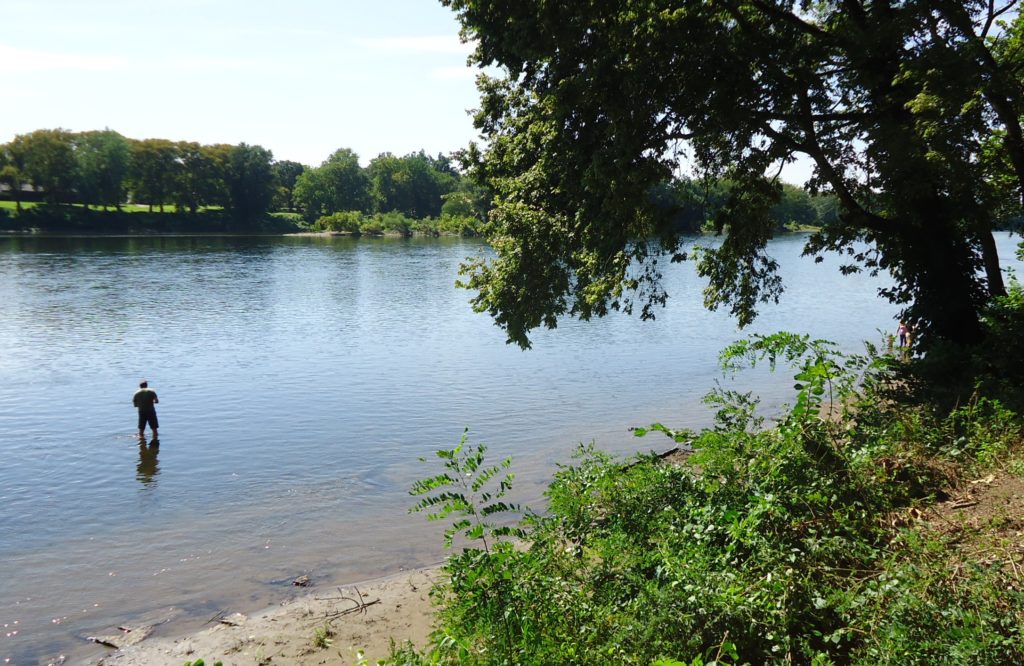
(148, 466)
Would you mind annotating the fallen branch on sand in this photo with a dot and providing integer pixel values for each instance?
(360, 606)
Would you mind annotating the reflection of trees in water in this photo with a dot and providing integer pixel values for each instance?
(148, 466)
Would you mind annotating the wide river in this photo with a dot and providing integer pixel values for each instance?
(300, 381)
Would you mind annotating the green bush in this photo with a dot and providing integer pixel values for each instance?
(349, 221)
(922, 607)
(771, 546)
(371, 226)
(950, 374)
(395, 222)
(460, 225)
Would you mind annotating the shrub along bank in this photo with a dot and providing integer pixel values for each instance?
(802, 543)
(395, 223)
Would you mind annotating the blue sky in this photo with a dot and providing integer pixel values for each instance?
(302, 78)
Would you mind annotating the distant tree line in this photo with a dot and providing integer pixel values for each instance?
(104, 169)
(691, 204)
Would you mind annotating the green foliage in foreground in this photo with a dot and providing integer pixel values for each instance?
(771, 546)
(950, 372)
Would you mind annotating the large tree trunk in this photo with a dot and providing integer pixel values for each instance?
(946, 289)
(989, 254)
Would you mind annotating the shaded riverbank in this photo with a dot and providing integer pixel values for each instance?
(52, 219)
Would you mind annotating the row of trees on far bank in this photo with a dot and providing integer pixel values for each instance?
(104, 169)
(690, 205)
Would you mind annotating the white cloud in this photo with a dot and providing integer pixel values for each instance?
(454, 73)
(14, 60)
(436, 44)
(267, 32)
(200, 63)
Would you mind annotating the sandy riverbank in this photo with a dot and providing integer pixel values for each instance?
(365, 616)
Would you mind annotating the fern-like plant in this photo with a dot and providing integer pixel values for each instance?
(466, 492)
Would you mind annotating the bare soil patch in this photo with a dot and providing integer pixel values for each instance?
(364, 617)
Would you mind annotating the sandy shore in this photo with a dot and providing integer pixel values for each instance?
(362, 617)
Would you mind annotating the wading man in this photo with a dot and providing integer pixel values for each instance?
(145, 401)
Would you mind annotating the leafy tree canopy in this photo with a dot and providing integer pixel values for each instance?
(250, 180)
(154, 170)
(200, 180)
(909, 111)
(468, 199)
(412, 185)
(339, 184)
(102, 158)
(287, 172)
(48, 160)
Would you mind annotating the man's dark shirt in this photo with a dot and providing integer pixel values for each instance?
(144, 399)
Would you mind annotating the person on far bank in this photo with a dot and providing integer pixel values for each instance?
(145, 401)
(903, 334)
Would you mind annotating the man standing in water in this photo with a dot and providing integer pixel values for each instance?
(145, 400)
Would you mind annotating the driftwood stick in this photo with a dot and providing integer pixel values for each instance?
(361, 608)
(359, 605)
(218, 616)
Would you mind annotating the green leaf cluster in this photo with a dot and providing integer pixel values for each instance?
(469, 492)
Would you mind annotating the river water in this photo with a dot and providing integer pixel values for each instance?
(300, 380)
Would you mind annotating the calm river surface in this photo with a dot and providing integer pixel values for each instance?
(300, 379)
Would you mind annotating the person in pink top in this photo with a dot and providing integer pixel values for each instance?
(903, 334)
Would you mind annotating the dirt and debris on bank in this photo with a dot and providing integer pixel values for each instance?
(329, 626)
